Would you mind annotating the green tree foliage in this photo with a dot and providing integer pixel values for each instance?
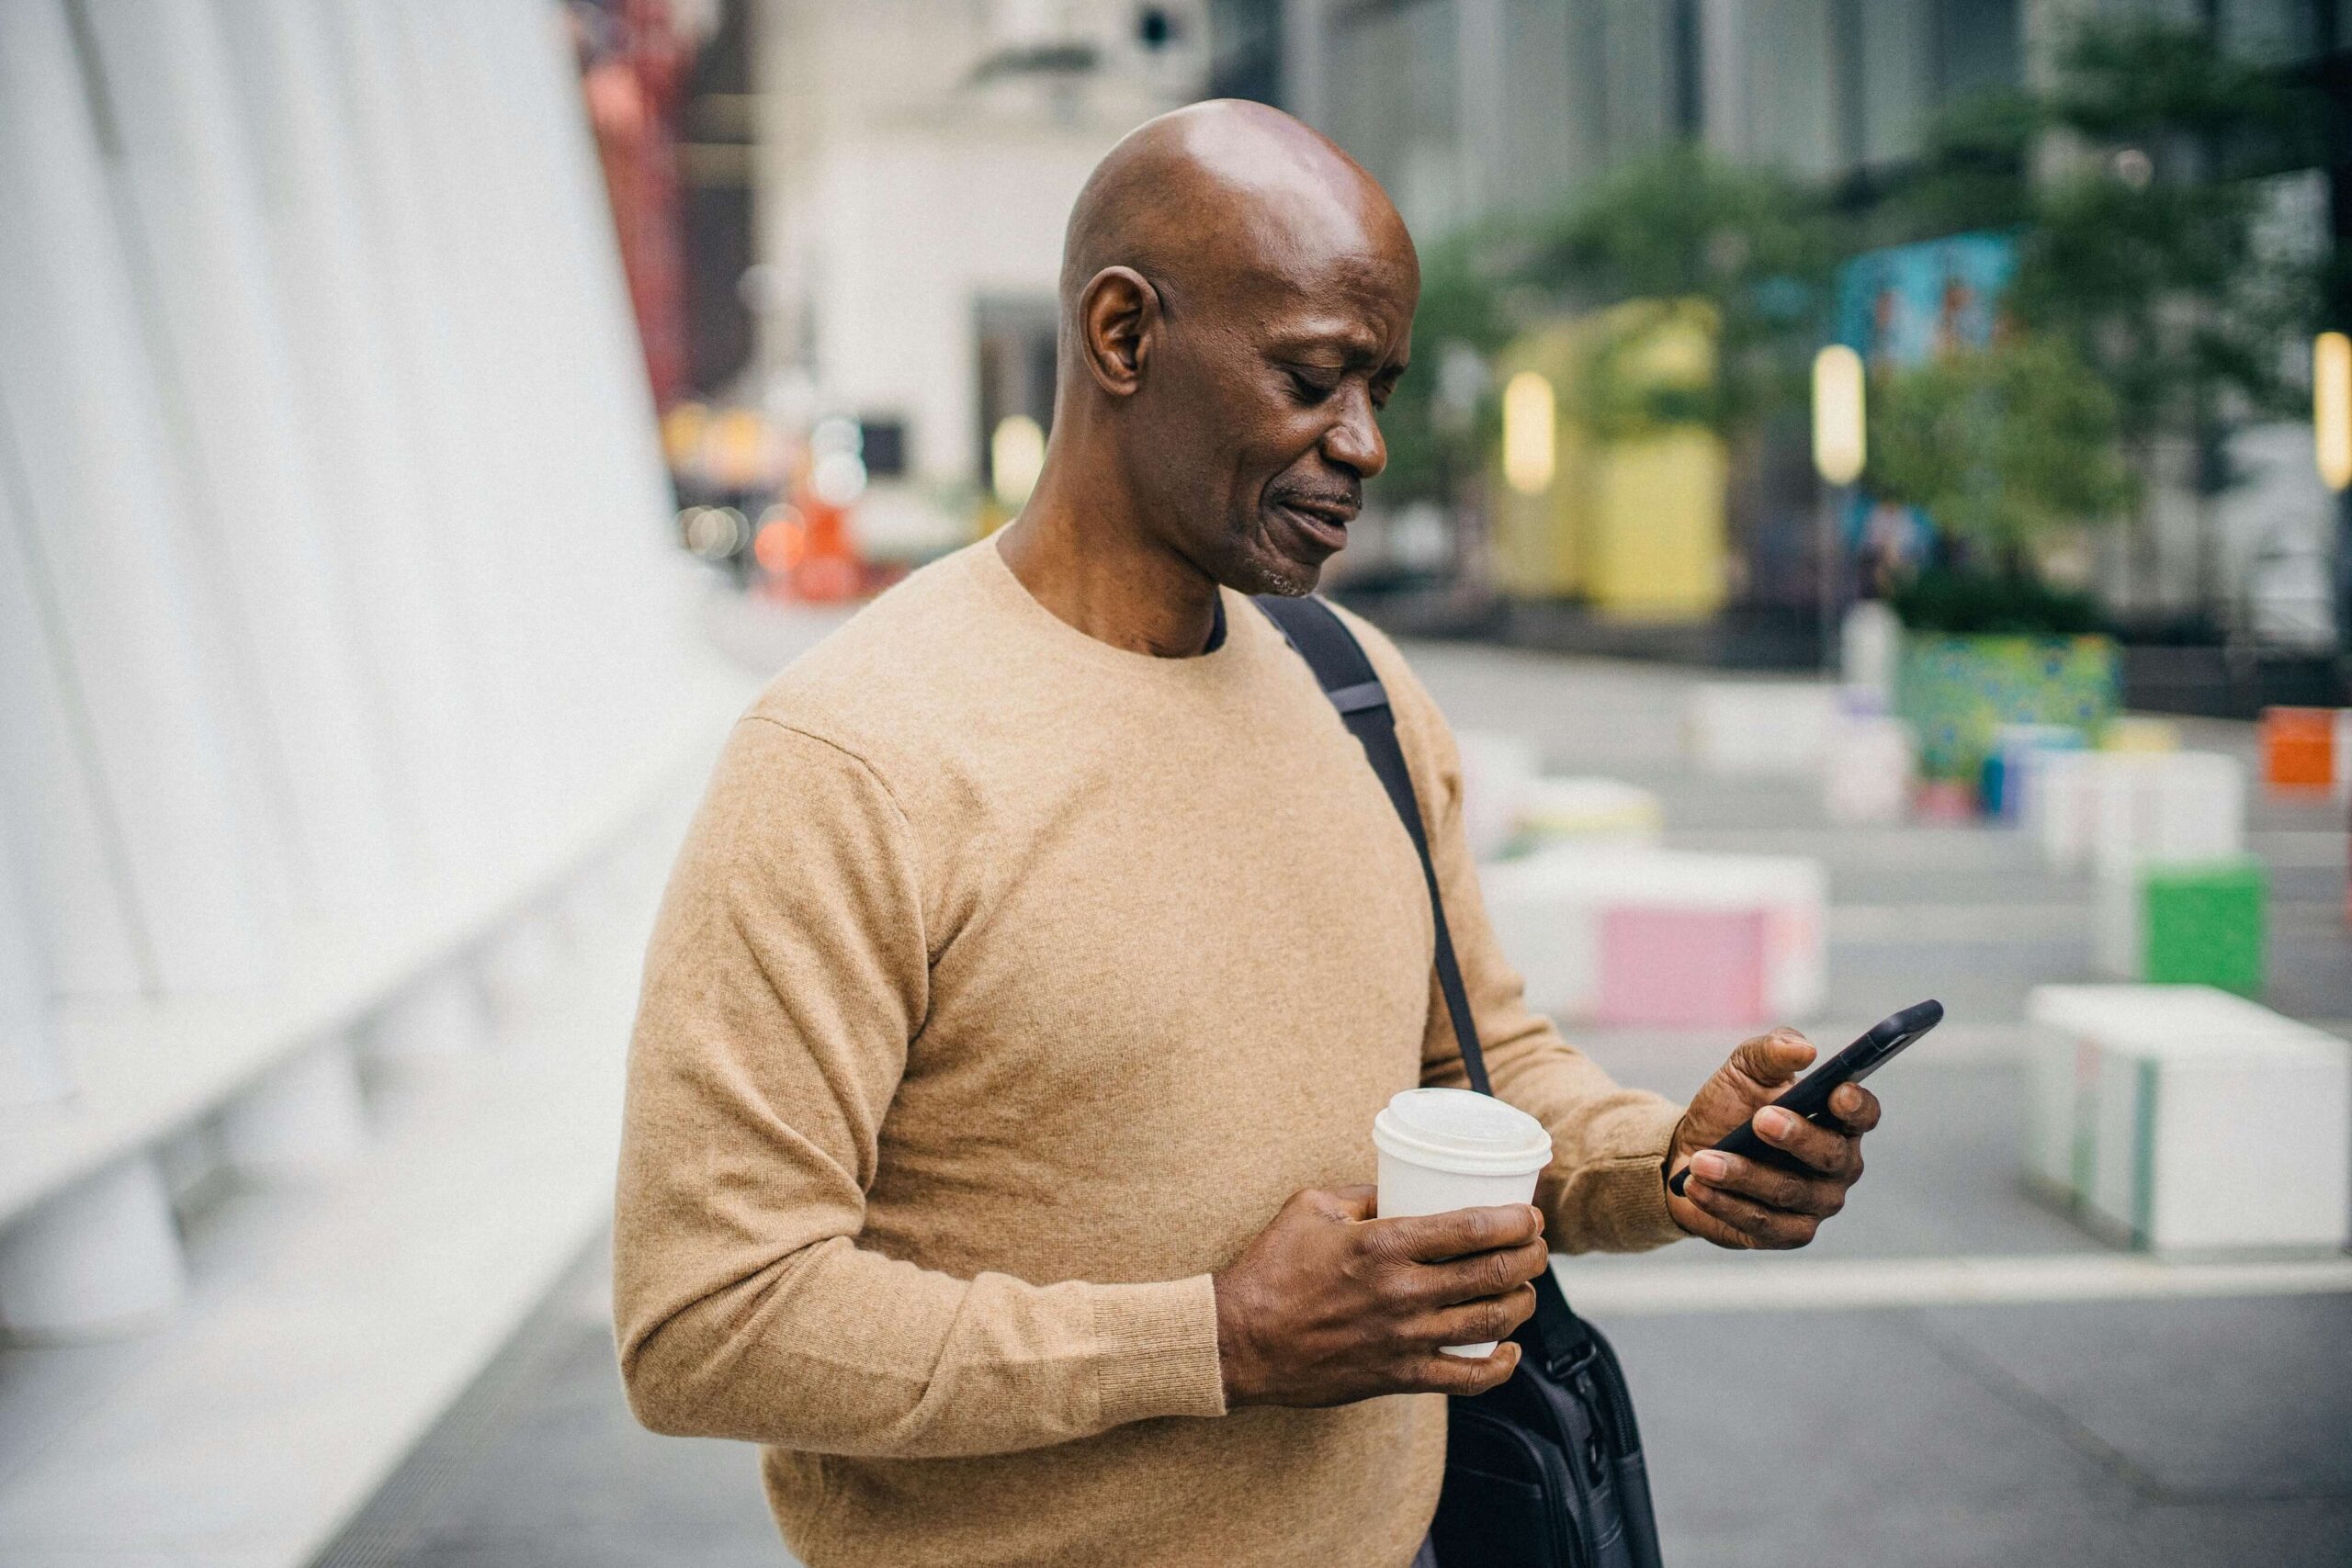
(1758, 246)
(2146, 285)
(2140, 237)
(2148, 303)
(1677, 223)
(1441, 423)
(1968, 603)
(2004, 447)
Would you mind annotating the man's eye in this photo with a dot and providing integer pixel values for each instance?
(1309, 389)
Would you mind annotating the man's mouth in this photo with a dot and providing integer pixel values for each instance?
(1325, 521)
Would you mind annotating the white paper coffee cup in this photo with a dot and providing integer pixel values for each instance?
(1442, 1149)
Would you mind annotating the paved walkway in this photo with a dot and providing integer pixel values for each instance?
(2039, 1401)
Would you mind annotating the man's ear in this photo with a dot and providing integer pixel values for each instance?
(1118, 325)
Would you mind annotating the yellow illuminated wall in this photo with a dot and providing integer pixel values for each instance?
(1632, 520)
(1535, 535)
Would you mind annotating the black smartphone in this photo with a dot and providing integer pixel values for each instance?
(1809, 1096)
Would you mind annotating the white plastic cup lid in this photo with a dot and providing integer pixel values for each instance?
(1456, 1130)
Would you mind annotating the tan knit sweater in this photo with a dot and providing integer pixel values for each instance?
(1007, 983)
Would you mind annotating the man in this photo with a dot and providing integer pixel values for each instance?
(1012, 1032)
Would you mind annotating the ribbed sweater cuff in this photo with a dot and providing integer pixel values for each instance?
(1156, 1345)
(1627, 1187)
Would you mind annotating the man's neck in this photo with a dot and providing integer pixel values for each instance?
(1109, 580)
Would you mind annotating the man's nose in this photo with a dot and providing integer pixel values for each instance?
(1354, 438)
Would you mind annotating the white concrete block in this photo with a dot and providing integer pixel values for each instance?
(1548, 919)
(1867, 769)
(2190, 1119)
(1497, 770)
(2118, 922)
(1761, 728)
(2056, 1154)
(2060, 807)
(1870, 646)
(304, 1115)
(2118, 809)
(101, 1256)
(2168, 806)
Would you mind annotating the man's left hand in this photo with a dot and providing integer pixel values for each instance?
(1738, 1203)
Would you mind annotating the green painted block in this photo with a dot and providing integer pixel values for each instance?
(2204, 923)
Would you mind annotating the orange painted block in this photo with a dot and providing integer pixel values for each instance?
(2302, 748)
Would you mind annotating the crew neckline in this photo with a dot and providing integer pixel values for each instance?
(999, 581)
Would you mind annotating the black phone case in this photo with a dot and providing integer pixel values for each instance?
(1809, 1096)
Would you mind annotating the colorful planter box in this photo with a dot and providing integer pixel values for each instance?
(2307, 750)
(2136, 732)
(1957, 693)
(1684, 968)
(2203, 925)
(2009, 771)
(1663, 937)
(1591, 812)
(2185, 923)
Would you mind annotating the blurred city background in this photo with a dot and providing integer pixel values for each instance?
(1871, 494)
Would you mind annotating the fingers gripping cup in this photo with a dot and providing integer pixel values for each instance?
(1442, 1149)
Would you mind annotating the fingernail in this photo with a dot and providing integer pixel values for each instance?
(1775, 1121)
(1711, 1166)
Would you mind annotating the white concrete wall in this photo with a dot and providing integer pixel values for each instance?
(107, 539)
(917, 234)
(340, 621)
(196, 252)
(78, 906)
(30, 1066)
(892, 193)
(351, 419)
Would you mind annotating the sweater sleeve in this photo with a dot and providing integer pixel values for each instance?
(787, 972)
(1605, 1191)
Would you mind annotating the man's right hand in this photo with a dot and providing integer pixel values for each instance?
(1328, 1304)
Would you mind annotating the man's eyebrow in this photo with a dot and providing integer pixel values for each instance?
(1359, 342)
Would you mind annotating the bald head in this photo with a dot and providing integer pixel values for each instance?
(1223, 196)
(1237, 302)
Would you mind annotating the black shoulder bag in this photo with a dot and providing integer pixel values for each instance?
(1546, 1470)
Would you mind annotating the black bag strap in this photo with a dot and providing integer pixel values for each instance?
(1348, 678)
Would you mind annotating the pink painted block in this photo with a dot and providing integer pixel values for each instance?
(1683, 968)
